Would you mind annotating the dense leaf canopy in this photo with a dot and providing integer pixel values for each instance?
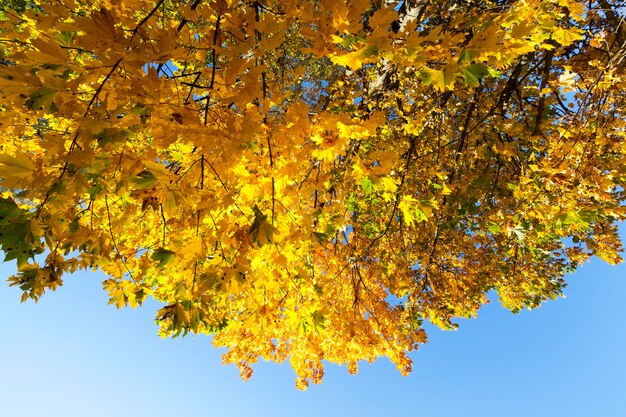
(310, 180)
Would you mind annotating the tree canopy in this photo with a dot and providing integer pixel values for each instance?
(311, 180)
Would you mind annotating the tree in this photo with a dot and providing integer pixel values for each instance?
(310, 180)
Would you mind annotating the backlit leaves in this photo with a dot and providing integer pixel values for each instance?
(309, 181)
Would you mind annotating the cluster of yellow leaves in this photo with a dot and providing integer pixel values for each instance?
(308, 181)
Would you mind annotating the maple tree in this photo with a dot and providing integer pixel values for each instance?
(310, 180)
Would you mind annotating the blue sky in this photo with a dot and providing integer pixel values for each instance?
(72, 355)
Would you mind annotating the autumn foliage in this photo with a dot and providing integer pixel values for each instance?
(310, 180)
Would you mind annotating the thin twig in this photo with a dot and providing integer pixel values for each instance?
(226, 188)
(117, 250)
(145, 19)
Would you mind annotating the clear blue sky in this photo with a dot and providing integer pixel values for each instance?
(72, 355)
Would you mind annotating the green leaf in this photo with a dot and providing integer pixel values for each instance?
(16, 238)
(319, 320)
(41, 98)
(469, 77)
(494, 228)
(322, 238)
(261, 230)
(163, 256)
(467, 55)
(367, 185)
(145, 180)
(440, 80)
(479, 70)
(420, 216)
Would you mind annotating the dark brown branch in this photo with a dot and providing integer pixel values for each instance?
(74, 140)
(145, 19)
(183, 22)
(616, 23)
(213, 68)
(97, 93)
(187, 74)
(192, 85)
(269, 146)
(213, 53)
(544, 83)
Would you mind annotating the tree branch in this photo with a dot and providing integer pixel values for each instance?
(145, 19)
